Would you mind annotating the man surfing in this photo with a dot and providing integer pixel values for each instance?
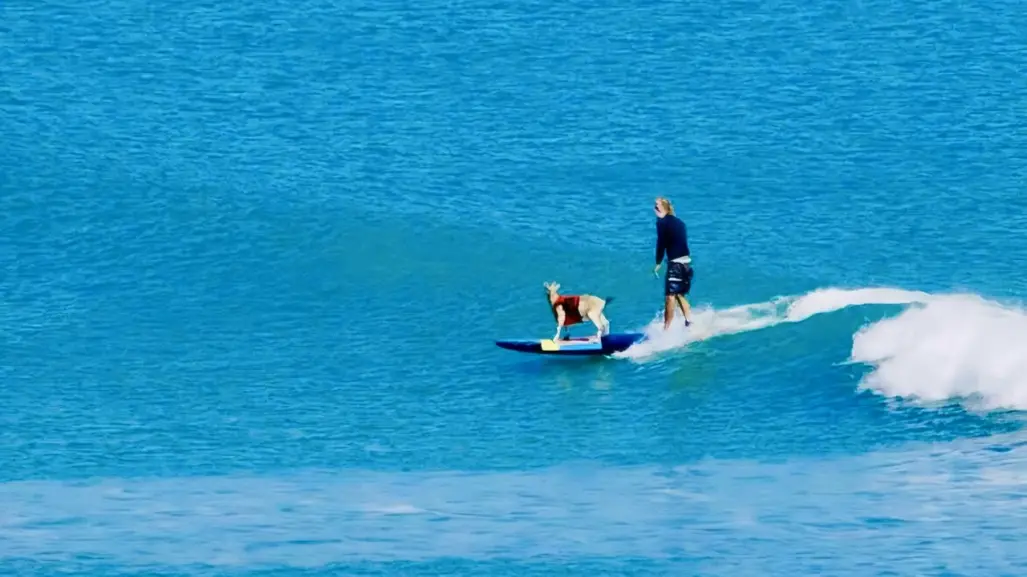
(672, 240)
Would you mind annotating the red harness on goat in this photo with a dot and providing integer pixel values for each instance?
(570, 309)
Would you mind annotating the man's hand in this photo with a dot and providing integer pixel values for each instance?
(656, 271)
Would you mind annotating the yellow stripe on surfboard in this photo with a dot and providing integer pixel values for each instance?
(549, 345)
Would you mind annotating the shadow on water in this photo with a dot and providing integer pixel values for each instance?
(681, 374)
(569, 372)
(693, 374)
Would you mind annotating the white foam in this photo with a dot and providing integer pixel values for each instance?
(944, 347)
(953, 347)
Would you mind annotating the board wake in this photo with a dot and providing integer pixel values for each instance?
(581, 346)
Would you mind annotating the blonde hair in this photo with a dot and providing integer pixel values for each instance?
(665, 204)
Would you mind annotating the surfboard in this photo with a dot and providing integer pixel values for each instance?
(579, 346)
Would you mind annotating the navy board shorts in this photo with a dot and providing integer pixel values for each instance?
(679, 279)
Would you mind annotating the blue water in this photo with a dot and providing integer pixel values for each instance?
(255, 256)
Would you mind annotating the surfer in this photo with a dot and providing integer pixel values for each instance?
(672, 240)
(574, 309)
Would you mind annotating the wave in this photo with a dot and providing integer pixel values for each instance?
(941, 347)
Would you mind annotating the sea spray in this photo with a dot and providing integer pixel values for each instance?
(708, 323)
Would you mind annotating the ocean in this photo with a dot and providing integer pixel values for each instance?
(256, 257)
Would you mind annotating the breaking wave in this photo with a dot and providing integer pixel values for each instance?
(949, 346)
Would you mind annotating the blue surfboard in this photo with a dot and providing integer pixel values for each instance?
(612, 343)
